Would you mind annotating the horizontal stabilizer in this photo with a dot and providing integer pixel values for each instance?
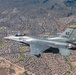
(72, 42)
(65, 51)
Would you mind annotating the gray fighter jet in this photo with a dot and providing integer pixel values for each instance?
(64, 42)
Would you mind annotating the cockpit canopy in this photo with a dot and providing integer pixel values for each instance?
(19, 34)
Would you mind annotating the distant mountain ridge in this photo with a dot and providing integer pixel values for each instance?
(35, 16)
(20, 3)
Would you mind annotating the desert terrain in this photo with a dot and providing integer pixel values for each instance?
(39, 18)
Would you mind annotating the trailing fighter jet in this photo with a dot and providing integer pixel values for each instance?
(64, 42)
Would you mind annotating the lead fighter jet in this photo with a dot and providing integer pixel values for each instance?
(64, 42)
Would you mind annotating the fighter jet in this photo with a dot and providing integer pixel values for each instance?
(64, 42)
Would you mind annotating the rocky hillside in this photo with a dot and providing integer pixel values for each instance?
(36, 18)
(6, 67)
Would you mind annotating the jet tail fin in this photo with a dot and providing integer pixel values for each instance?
(69, 33)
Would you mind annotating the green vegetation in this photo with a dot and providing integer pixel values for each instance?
(22, 56)
(26, 73)
(67, 73)
(71, 65)
(1, 30)
(66, 60)
(3, 44)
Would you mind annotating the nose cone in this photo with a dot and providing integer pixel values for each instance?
(9, 37)
(12, 38)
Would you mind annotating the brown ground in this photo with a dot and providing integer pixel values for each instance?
(7, 68)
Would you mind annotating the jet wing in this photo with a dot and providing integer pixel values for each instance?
(37, 49)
